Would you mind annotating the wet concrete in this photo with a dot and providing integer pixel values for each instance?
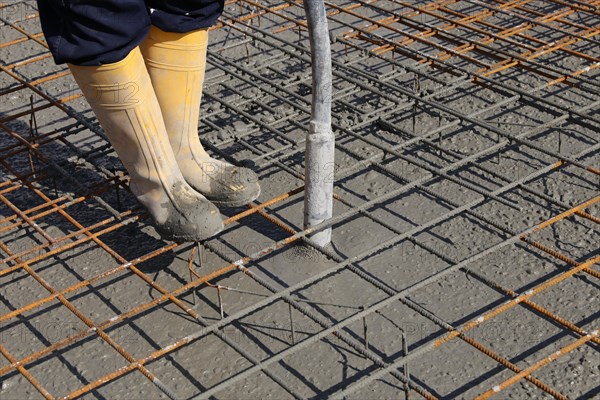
(454, 370)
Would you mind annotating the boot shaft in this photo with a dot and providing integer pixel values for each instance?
(123, 100)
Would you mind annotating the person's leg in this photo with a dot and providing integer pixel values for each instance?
(176, 63)
(121, 95)
(182, 16)
(93, 32)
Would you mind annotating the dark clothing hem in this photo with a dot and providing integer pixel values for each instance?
(97, 32)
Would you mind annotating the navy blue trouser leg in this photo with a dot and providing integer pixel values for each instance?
(184, 15)
(96, 32)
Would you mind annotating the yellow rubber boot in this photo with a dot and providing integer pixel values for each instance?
(124, 102)
(176, 64)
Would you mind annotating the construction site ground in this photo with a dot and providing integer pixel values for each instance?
(465, 239)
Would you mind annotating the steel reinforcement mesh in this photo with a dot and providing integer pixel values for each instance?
(465, 252)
